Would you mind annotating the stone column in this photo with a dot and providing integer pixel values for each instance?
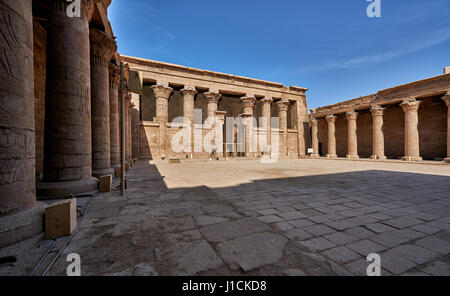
(162, 94)
(68, 140)
(17, 144)
(114, 82)
(352, 138)
(220, 115)
(128, 107)
(248, 103)
(102, 49)
(378, 134)
(331, 119)
(266, 104)
(315, 137)
(188, 113)
(412, 150)
(283, 107)
(446, 99)
(213, 100)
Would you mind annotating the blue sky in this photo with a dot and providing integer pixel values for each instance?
(331, 47)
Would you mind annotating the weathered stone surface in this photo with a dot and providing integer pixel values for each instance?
(189, 258)
(208, 220)
(230, 230)
(253, 251)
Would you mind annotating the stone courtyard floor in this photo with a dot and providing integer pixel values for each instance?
(293, 217)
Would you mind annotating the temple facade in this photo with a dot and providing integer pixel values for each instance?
(409, 122)
(273, 118)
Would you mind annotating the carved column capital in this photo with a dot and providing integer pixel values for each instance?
(283, 106)
(188, 91)
(410, 105)
(313, 121)
(114, 76)
(331, 118)
(102, 47)
(267, 100)
(212, 97)
(351, 115)
(162, 91)
(248, 102)
(446, 98)
(376, 111)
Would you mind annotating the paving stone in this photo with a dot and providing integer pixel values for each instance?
(189, 258)
(403, 222)
(270, 219)
(389, 239)
(292, 216)
(208, 220)
(413, 253)
(435, 243)
(293, 272)
(310, 212)
(437, 268)
(379, 227)
(283, 226)
(358, 267)
(216, 208)
(298, 234)
(319, 229)
(269, 212)
(360, 232)
(300, 223)
(253, 251)
(230, 230)
(340, 238)
(341, 224)
(425, 229)
(342, 254)
(395, 264)
(318, 244)
(366, 247)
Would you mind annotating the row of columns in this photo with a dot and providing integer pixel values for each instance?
(163, 92)
(412, 147)
(82, 134)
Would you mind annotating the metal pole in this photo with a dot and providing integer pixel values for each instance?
(122, 129)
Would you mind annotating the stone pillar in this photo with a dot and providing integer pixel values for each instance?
(248, 103)
(128, 148)
(102, 49)
(282, 115)
(114, 82)
(213, 100)
(378, 134)
(220, 115)
(315, 137)
(266, 104)
(188, 113)
(17, 144)
(446, 99)
(331, 119)
(68, 140)
(352, 138)
(162, 94)
(412, 150)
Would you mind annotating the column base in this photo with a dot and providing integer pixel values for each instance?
(22, 225)
(410, 158)
(378, 157)
(348, 156)
(331, 156)
(314, 156)
(447, 160)
(104, 172)
(65, 189)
